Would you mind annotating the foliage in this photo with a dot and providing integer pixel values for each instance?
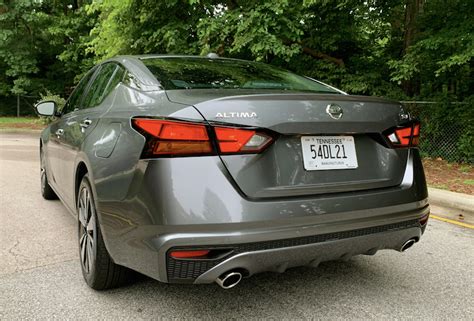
(402, 49)
(355, 45)
(19, 60)
(60, 101)
(42, 45)
(359, 46)
(440, 61)
(447, 129)
(71, 31)
(466, 139)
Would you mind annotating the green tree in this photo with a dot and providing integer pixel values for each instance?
(42, 45)
(438, 59)
(396, 48)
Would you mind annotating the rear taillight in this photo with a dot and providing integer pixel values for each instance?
(174, 138)
(179, 138)
(406, 136)
(241, 140)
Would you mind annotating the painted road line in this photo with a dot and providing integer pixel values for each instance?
(447, 220)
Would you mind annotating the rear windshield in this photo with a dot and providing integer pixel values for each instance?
(201, 73)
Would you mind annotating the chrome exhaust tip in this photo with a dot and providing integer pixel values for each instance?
(229, 280)
(407, 245)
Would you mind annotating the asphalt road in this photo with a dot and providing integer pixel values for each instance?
(40, 275)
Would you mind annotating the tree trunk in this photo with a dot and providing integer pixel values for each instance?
(320, 55)
(412, 9)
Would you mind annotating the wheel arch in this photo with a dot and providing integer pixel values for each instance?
(82, 168)
(81, 171)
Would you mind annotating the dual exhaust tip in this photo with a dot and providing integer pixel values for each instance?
(229, 280)
(408, 244)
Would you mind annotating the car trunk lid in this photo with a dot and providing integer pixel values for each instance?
(280, 170)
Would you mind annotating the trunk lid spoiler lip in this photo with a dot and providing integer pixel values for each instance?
(197, 96)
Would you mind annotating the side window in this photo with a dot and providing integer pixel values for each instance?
(98, 89)
(130, 80)
(75, 98)
(116, 78)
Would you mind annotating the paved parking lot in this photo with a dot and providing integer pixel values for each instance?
(40, 275)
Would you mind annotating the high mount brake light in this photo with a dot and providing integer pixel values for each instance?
(406, 136)
(179, 138)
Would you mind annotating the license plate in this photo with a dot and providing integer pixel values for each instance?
(328, 152)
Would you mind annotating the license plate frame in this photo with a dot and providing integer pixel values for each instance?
(328, 153)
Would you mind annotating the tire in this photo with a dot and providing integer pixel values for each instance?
(98, 269)
(46, 190)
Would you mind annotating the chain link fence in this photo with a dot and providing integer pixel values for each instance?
(19, 105)
(447, 129)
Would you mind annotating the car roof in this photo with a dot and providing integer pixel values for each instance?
(135, 65)
(151, 56)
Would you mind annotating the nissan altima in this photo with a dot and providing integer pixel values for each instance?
(205, 169)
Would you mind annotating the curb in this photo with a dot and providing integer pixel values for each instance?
(451, 205)
(458, 201)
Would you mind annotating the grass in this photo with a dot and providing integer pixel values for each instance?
(19, 120)
(440, 186)
(455, 177)
(20, 123)
(465, 168)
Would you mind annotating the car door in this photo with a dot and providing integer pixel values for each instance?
(54, 145)
(80, 123)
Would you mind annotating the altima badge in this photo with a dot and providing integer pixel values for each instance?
(236, 114)
(335, 111)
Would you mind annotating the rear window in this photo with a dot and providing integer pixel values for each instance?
(202, 73)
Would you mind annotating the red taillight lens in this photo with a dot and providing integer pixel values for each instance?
(408, 136)
(179, 138)
(241, 140)
(404, 136)
(174, 137)
(189, 254)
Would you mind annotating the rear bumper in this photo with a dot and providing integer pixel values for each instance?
(257, 251)
(280, 259)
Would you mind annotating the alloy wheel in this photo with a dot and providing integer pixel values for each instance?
(87, 229)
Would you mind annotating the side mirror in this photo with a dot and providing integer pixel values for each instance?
(46, 108)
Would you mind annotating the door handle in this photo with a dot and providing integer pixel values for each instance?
(59, 132)
(86, 123)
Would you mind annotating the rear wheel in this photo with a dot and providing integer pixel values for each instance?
(46, 190)
(98, 269)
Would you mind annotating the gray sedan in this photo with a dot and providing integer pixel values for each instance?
(205, 169)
